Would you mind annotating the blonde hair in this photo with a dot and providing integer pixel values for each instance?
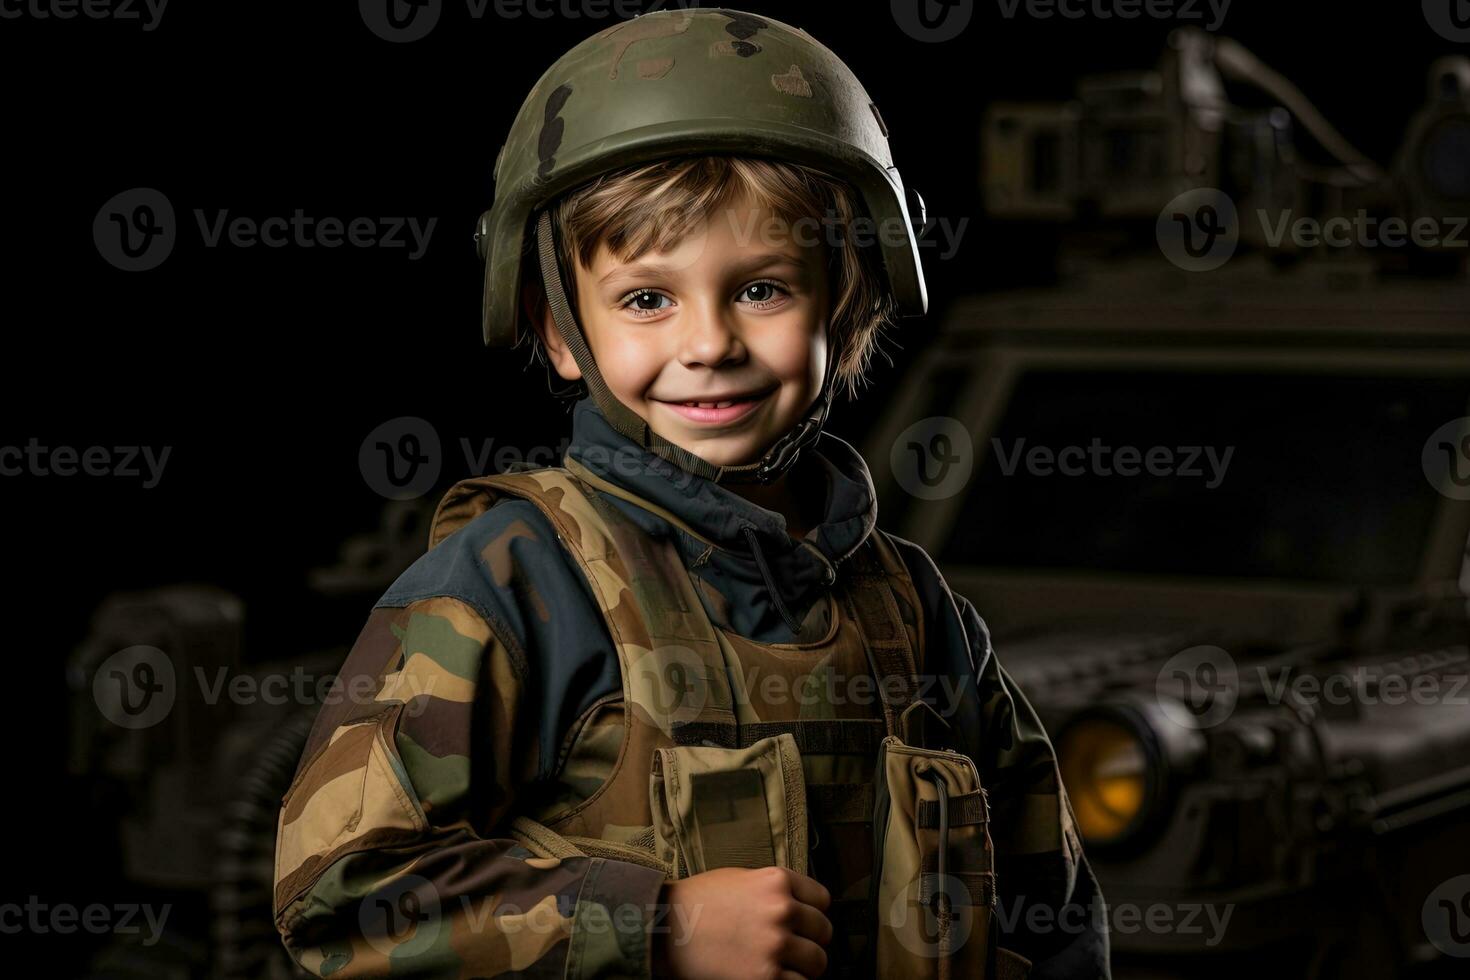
(653, 207)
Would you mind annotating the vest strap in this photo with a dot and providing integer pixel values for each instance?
(823, 736)
(682, 641)
(679, 630)
(876, 613)
(680, 650)
(965, 809)
(978, 887)
(542, 841)
(840, 802)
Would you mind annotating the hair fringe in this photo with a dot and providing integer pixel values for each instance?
(654, 207)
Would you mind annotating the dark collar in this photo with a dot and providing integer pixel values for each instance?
(735, 546)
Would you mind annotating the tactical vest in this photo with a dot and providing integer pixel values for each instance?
(721, 751)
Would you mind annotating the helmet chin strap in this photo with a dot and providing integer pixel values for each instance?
(778, 459)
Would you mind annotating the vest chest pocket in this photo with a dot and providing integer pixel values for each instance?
(934, 884)
(715, 807)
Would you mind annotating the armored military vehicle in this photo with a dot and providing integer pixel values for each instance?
(1211, 492)
(186, 740)
(1217, 526)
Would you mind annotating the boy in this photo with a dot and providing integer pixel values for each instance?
(626, 710)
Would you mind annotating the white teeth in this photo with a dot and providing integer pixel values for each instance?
(709, 404)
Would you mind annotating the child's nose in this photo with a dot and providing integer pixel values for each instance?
(709, 338)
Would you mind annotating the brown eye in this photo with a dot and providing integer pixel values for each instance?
(645, 301)
(769, 290)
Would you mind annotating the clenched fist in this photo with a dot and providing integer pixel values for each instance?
(744, 924)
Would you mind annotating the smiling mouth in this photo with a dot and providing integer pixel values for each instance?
(719, 410)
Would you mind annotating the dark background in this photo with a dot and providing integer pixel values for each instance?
(264, 368)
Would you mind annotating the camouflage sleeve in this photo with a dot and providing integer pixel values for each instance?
(391, 857)
(1050, 907)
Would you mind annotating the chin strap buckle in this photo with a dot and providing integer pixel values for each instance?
(783, 454)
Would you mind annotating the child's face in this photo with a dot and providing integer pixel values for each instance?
(732, 312)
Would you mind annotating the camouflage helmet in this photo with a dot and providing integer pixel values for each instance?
(685, 82)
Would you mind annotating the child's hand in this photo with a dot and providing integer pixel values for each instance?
(740, 923)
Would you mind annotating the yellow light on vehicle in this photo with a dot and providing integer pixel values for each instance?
(1105, 771)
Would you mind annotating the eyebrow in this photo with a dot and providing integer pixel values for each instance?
(660, 270)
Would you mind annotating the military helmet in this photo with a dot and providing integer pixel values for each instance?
(675, 83)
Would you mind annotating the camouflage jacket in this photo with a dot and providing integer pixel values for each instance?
(477, 666)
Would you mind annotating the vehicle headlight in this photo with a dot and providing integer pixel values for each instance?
(1117, 761)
